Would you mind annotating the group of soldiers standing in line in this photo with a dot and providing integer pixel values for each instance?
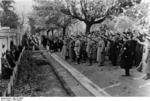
(122, 50)
(127, 50)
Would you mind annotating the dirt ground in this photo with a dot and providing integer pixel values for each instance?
(111, 80)
(47, 84)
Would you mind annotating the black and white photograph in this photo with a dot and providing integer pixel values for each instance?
(74, 48)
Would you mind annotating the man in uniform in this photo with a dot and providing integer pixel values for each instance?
(100, 51)
(77, 49)
(83, 50)
(44, 41)
(127, 57)
(71, 49)
(113, 52)
(90, 51)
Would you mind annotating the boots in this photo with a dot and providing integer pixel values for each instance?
(127, 72)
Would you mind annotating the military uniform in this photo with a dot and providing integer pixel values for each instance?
(95, 52)
(60, 43)
(90, 51)
(127, 57)
(71, 50)
(64, 52)
(100, 52)
(113, 53)
(138, 54)
(83, 52)
(77, 50)
(44, 41)
(51, 44)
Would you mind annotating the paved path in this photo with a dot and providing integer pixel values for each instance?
(110, 80)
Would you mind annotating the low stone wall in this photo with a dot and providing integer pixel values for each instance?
(75, 82)
(9, 89)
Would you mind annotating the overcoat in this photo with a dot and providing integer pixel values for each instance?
(127, 55)
(64, 52)
(100, 51)
(77, 47)
(146, 58)
(71, 49)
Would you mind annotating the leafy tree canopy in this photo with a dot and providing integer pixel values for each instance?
(51, 16)
(8, 18)
(95, 11)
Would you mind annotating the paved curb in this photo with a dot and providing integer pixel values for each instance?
(86, 88)
(64, 83)
(60, 78)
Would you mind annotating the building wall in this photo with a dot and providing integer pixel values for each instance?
(6, 35)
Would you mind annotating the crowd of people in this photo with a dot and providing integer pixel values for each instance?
(9, 59)
(54, 44)
(127, 50)
(124, 50)
(30, 41)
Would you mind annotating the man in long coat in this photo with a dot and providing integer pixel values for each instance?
(90, 51)
(127, 57)
(71, 50)
(146, 59)
(77, 49)
(64, 52)
(100, 52)
(83, 53)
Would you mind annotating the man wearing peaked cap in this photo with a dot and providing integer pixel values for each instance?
(77, 48)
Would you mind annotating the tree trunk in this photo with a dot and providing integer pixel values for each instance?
(88, 27)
